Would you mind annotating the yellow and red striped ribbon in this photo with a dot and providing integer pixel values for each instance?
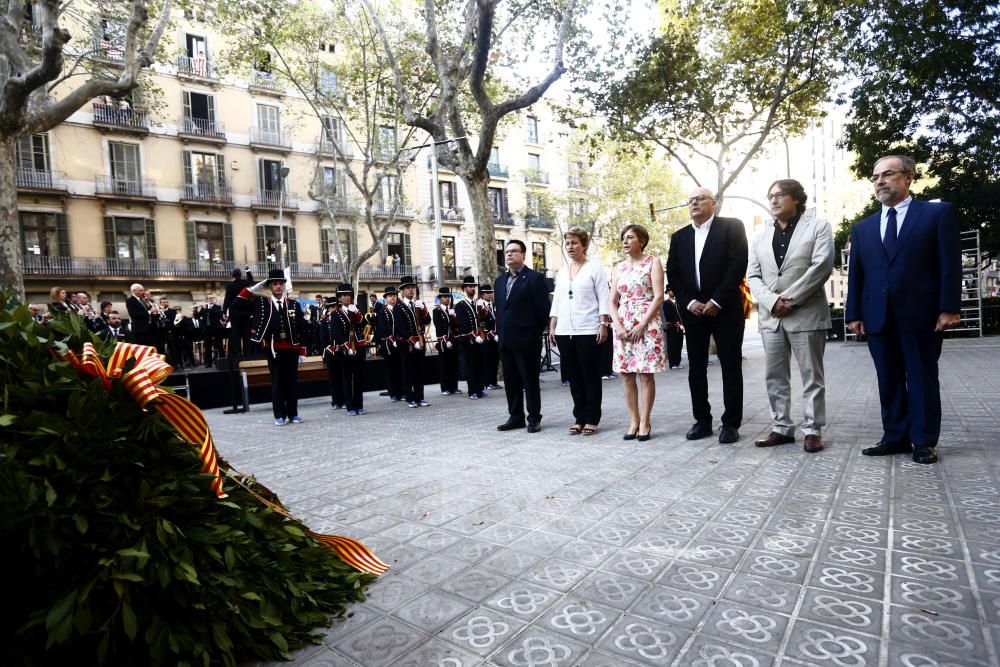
(142, 384)
(746, 298)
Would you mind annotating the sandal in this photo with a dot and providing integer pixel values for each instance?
(589, 430)
(575, 430)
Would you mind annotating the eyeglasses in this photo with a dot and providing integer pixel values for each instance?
(699, 199)
(776, 195)
(875, 178)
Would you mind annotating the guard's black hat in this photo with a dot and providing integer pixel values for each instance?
(406, 281)
(345, 288)
(390, 290)
(486, 288)
(444, 291)
(331, 303)
(275, 274)
(469, 280)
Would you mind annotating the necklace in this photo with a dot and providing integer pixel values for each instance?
(572, 277)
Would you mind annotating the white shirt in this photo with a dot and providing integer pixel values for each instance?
(901, 209)
(700, 236)
(581, 313)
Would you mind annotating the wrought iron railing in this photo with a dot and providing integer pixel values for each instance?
(208, 193)
(264, 137)
(327, 147)
(498, 170)
(37, 179)
(275, 198)
(107, 114)
(126, 187)
(197, 66)
(266, 81)
(203, 127)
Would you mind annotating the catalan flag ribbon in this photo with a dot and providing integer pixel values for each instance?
(745, 298)
(142, 384)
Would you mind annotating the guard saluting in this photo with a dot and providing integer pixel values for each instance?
(470, 338)
(387, 346)
(276, 325)
(410, 321)
(491, 355)
(444, 331)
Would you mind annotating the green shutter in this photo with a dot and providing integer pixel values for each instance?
(261, 244)
(188, 174)
(187, 105)
(353, 246)
(220, 173)
(210, 108)
(110, 242)
(293, 251)
(324, 246)
(405, 259)
(62, 234)
(192, 241)
(150, 238)
(228, 253)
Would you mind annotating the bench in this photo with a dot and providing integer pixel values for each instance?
(311, 370)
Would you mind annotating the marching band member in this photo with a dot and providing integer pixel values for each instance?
(444, 331)
(330, 330)
(388, 348)
(352, 347)
(410, 322)
(471, 342)
(276, 325)
(491, 355)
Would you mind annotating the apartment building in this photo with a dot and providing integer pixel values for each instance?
(223, 173)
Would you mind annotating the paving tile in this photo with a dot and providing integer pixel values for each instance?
(481, 631)
(748, 626)
(475, 584)
(438, 653)
(707, 651)
(611, 589)
(579, 619)
(823, 646)
(851, 613)
(382, 642)
(643, 641)
(535, 647)
(779, 596)
(672, 607)
(522, 600)
(432, 611)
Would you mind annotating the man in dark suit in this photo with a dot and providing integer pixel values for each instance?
(904, 289)
(410, 319)
(491, 352)
(707, 262)
(388, 348)
(522, 316)
(673, 328)
(238, 312)
(139, 318)
(115, 331)
(445, 330)
(213, 329)
(470, 339)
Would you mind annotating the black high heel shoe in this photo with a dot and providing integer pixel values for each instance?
(643, 437)
(630, 436)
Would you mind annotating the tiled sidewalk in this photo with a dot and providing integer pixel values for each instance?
(547, 549)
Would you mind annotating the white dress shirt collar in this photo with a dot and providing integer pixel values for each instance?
(901, 209)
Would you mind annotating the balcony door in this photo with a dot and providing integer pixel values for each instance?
(448, 257)
(203, 174)
(32, 160)
(199, 112)
(270, 177)
(269, 122)
(125, 168)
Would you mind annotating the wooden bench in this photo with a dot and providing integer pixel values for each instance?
(311, 370)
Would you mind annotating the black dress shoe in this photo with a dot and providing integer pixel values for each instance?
(883, 448)
(925, 455)
(699, 430)
(510, 425)
(534, 427)
(728, 435)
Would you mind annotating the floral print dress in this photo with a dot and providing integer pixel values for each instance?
(635, 294)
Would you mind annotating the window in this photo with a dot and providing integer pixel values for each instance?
(44, 234)
(534, 162)
(495, 156)
(329, 180)
(578, 207)
(32, 155)
(332, 130)
(326, 81)
(499, 205)
(262, 63)
(398, 243)
(328, 48)
(269, 123)
(449, 194)
(386, 141)
(210, 242)
(534, 204)
(501, 259)
(532, 130)
(131, 239)
(196, 46)
(204, 174)
(125, 170)
(269, 239)
(269, 173)
(575, 174)
(199, 113)
(388, 189)
(448, 256)
(348, 241)
(538, 256)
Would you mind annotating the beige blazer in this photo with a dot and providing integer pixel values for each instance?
(802, 276)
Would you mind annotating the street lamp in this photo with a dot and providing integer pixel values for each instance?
(283, 172)
(436, 204)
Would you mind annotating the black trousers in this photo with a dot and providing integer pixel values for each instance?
(491, 361)
(728, 335)
(239, 336)
(606, 350)
(471, 356)
(393, 371)
(448, 368)
(520, 382)
(675, 340)
(353, 378)
(284, 383)
(213, 347)
(335, 375)
(413, 372)
(579, 357)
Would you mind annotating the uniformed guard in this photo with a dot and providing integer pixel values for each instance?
(332, 360)
(410, 324)
(444, 331)
(388, 348)
(470, 339)
(491, 356)
(276, 326)
(354, 352)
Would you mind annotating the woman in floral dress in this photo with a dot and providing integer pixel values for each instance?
(636, 297)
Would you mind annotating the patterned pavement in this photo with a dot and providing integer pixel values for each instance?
(550, 549)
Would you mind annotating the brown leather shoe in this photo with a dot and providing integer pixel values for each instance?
(813, 444)
(775, 439)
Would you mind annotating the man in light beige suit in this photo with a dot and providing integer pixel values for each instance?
(790, 262)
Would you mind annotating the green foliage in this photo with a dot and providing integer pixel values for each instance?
(116, 551)
(928, 88)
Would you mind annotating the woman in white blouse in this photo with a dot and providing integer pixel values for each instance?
(578, 324)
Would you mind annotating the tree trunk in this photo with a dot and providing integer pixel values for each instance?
(482, 217)
(11, 270)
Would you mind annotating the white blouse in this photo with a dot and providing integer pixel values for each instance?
(579, 303)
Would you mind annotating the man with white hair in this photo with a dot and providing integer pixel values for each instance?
(139, 319)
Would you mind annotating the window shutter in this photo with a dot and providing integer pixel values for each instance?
(62, 234)
(405, 259)
(210, 107)
(110, 242)
(227, 242)
(23, 153)
(192, 241)
(293, 249)
(324, 246)
(187, 111)
(261, 244)
(220, 172)
(188, 174)
(150, 238)
(506, 205)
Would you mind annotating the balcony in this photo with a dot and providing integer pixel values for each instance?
(536, 177)
(201, 129)
(120, 118)
(440, 166)
(498, 170)
(108, 50)
(207, 194)
(341, 205)
(37, 180)
(336, 147)
(539, 222)
(112, 187)
(376, 272)
(576, 180)
(505, 220)
(270, 140)
(198, 68)
(265, 83)
(272, 200)
(383, 208)
(453, 214)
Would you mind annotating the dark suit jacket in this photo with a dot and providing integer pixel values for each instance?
(230, 304)
(723, 265)
(521, 319)
(922, 279)
(138, 315)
